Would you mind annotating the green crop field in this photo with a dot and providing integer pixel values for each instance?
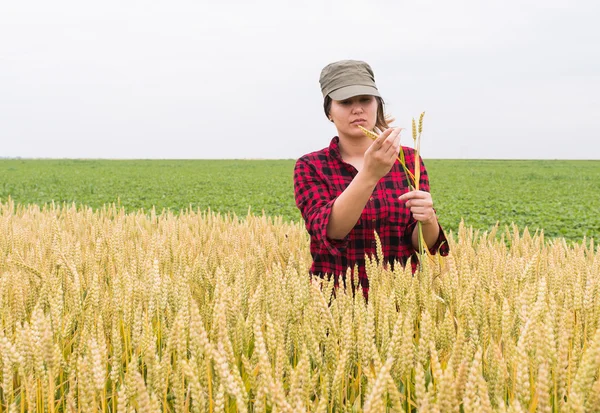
(560, 197)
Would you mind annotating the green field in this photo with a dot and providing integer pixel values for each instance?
(562, 197)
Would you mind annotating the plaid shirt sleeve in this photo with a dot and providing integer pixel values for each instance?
(314, 201)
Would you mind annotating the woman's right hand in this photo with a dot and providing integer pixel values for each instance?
(382, 154)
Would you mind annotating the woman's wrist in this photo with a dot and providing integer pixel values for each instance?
(367, 179)
(431, 222)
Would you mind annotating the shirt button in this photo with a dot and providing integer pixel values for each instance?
(370, 199)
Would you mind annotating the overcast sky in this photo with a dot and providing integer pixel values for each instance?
(239, 79)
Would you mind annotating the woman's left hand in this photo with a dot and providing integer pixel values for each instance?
(420, 205)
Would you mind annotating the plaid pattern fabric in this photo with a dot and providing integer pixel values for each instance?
(320, 177)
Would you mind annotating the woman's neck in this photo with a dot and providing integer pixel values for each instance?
(353, 148)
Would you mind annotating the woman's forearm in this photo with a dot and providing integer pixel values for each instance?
(431, 232)
(348, 206)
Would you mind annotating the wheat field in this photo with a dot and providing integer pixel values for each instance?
(107, 311)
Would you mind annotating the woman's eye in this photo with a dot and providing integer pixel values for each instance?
(366, 99)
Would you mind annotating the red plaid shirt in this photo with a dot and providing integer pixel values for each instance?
(320, 177)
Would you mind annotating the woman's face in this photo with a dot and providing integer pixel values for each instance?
(348, 114)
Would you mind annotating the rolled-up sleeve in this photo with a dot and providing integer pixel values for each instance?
(315, 201)
(440, 245)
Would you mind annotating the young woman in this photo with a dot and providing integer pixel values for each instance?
(356, 187)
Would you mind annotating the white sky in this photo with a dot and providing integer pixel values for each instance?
(239, 79)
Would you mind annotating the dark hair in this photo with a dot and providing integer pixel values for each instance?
(382, 122)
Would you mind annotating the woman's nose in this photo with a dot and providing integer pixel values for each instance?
(357, 108)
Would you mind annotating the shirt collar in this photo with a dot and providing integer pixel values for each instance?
(334, 148)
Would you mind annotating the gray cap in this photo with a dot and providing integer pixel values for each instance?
(347, 78)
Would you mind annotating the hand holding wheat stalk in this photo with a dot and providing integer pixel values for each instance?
(409, 175)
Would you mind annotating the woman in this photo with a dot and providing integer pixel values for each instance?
(356, 187)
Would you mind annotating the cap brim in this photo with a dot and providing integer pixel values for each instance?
(347, 92)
